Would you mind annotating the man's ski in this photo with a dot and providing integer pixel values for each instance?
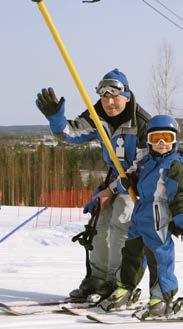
(98, 306)
(98, 310)
(29, 309)
(19, 309)
(48, 302)
(79, 311)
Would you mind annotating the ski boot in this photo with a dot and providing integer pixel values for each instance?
(102, 292)
(93, 290)
(158, 307)
(117, 300)
(155, 308)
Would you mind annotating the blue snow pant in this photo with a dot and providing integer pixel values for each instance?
(143, 239)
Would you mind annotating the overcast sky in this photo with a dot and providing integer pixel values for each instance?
(99, 37)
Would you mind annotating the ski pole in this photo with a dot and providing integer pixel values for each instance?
(83, 92)
(22, 224)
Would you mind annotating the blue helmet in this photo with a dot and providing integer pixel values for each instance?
(162, 122)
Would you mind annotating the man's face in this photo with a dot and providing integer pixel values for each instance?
(113, 105)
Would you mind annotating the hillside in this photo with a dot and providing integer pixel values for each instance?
(40, 129)
(29, 130)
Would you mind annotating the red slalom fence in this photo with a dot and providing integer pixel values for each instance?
(65, 199)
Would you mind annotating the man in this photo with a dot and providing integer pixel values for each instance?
(125, 124)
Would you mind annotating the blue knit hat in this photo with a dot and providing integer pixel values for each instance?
(117, 75)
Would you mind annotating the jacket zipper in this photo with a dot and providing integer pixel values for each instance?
(157, 217)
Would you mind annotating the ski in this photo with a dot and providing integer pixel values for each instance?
(140, 315)
(108, 319)
(96, 304)
(127, 319)
(48, 302)
(97, 314)
(97, 309)
(79, 311)
(29, 308)
(126, 314)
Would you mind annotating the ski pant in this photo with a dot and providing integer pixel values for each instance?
(144, 240)
(112, 232)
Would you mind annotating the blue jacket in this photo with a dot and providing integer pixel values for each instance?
(160, 189)
(128, 138)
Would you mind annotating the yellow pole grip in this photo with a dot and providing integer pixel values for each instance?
(83, 93)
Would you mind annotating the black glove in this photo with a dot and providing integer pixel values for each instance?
(129, 180)
(175, 230)
(48, 103)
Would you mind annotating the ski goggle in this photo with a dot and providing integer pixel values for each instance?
(111, 86)
(167, 136)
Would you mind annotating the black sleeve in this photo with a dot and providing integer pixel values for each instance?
(176, 173)
(142, 119)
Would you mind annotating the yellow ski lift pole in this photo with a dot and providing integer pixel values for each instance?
(80, 86)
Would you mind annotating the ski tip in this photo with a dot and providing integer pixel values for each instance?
(92, 318)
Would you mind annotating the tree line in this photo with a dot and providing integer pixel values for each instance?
(27, 174)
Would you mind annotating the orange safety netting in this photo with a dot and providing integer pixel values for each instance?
(67, 199)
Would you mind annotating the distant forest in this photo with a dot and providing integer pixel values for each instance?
(26, 175)
(32, 172)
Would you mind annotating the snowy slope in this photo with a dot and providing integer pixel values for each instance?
(40, 263)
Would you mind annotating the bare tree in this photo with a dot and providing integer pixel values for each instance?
(165, 81)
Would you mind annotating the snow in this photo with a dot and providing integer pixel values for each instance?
(39, 262)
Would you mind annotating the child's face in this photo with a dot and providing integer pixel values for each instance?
(161, 141)
(162, 148)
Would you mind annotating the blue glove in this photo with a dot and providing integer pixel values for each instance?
(53, 109)
(175, 230)
(176, 225)
(91, 206)
(178, 220)
(97, 190)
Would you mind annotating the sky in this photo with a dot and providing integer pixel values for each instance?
(49, 266)
(98, 37)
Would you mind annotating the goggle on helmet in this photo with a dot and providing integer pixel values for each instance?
(162, 128)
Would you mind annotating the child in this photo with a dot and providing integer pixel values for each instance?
(157, 214)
